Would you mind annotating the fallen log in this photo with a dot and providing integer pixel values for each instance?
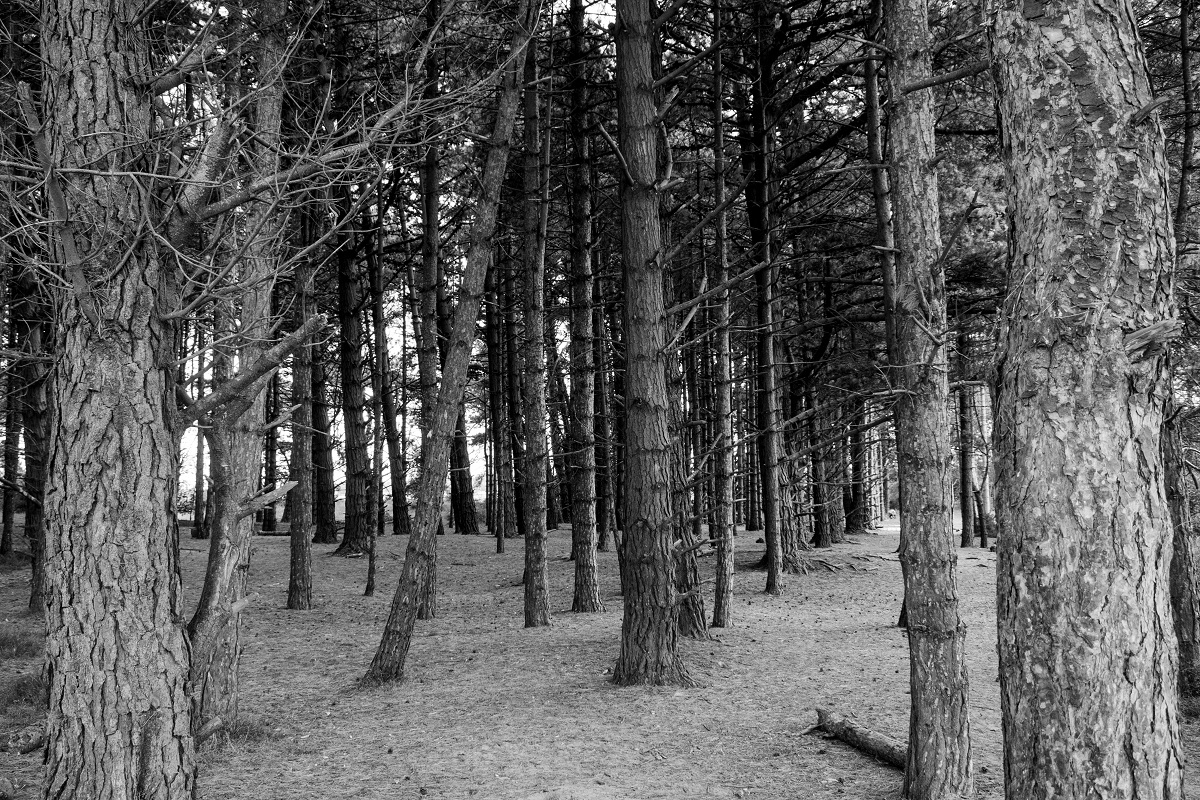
(882, 747)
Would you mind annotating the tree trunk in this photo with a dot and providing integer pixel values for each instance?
(966, 445)
(200, 506)
(648, 628)
(939, 735)
(504, 522)
(354, 401)
(382, 377)
(119, 714)
(1087, 648)
(299, 596)
(388, 663)
(1185, 604)
(582, 462)
(324, 494)
(723, 530)
(533, 372)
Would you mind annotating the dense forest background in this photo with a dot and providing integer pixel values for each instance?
(666, 276)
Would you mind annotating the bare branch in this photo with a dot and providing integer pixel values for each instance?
(268, 361)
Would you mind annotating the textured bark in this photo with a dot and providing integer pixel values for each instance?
(583, 366)
(648, 628)
(388, 662)
(721, 528)
(758, 212)
(270, 461)
(504, 504)
(354, 403)
(1185, 603)
(939, 737)
(234, 431)
(966, 446)
(381, 377)
(324, 495)
(533, 374)
(119, 721)
(1087, 649)
(299, 595)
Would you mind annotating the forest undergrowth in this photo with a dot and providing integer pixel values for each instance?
(491, 710)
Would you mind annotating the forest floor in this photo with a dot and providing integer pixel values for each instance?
(491, 710)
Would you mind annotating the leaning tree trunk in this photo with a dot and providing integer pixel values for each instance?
(939, 735)
(388, 663)
(1087, 649)
(648, 627)
(119, 720)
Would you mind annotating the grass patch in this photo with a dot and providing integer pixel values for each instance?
(18, 642)
(245, 732)
(26, 692)
(14, 561)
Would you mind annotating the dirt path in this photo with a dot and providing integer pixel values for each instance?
(491, 710)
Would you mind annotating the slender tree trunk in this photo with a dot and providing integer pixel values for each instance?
(533, 373)
(382, 375)
(648, 629)
(12, 451)
(324, 494)
(1087, 647)
(603, 430)
(388, 663)
(299, 596)
(354, 402)
(270, 453)
(939, 739)
(582, 347)
(723, 530)
(966, 445)
(199, 517)
(504, 522)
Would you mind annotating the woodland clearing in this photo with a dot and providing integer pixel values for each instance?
(491, 710)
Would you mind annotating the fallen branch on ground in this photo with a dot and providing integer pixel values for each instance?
(884, 748)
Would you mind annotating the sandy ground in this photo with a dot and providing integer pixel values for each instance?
(491, 710)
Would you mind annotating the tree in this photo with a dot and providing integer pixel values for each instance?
(120, 655)
(939, 739)
(648, 627)
(388, 663)
(1087, 651)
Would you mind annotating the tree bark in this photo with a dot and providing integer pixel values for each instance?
(533, 373)
(324, 494)
(119, 720)
(388, 662)
(939, 737)
(648, 628)
(582, 462)
(722, 530)
(299, 596)
(1087, 649)
(354, 401)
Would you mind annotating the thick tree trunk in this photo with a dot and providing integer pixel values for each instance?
(939, 736)
(119, 721)
(1087, 647)
(388, 663)
(1185, 604)
(533, 373)
(648, 629)
(582, 348)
